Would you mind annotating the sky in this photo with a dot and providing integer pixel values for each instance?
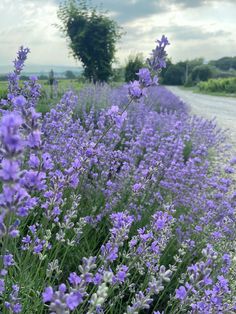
(195, 28)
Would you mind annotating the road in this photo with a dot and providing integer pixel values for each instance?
(222, 108)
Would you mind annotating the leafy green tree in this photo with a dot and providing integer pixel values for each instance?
(193, 63)
(164, 70)
(175, 74)
(202, 73)
(51, 77)
(92, 37)
(70, 75)
(189, 66)
(225, 63)
(132, 67)
(118, 74)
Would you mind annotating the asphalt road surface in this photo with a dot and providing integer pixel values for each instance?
(222, 108)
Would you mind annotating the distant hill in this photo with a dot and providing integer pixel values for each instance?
(44, 70)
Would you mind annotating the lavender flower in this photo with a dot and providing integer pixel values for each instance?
(13, 78)
(100, 191)
(10, 137)
(157, 60)
(181, 293)
(119, 233)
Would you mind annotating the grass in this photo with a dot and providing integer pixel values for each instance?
(48, 98)
(3, 89)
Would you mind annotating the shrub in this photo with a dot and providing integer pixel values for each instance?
(227, 85)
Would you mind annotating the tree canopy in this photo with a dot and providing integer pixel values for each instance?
(201, 73)
(132, 67)
(225, 63)
(92, 37)
(175, 74)
(70, 75)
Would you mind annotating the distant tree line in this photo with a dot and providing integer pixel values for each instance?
(3, 77)
(188, 72)
(191, 72)
(70, 75)
(225, 63)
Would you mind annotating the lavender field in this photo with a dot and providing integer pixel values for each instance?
(117, 200)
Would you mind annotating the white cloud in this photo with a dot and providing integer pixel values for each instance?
(31, 23)
(195, 28)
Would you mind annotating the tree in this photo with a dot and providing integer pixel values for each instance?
(70, 75)
(201, 73)
(132, 67)
(118, 75)
(164, 70)
(223, 64)
(92, 37)
(51, 77)
(181, 72)
(189, 66)
(175, 74)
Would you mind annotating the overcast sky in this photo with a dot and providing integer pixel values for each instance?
(195, 28)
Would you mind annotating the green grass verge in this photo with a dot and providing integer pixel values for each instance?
(49, 98)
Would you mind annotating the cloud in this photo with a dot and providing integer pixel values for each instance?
(174, 31)
(195, 3)
(126, 11)
(188, 3)
(192, 33)
(123, 11)
(193, 26)
(31, 25)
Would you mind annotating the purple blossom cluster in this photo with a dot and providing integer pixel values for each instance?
(204, 291)
(157, 61)
(114, 201)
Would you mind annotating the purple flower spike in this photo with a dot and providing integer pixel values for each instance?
(157, 61)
